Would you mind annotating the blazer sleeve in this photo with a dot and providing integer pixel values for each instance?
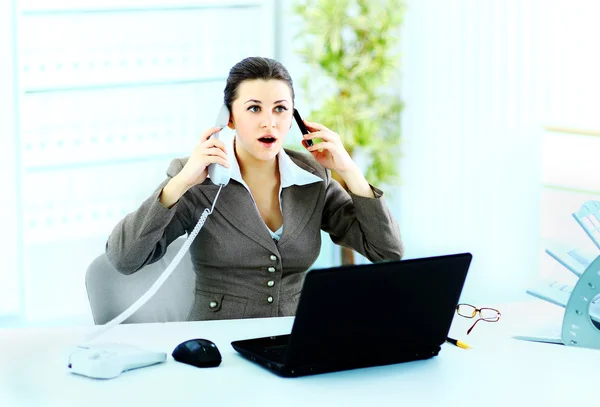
(363, 224)
(142, 237)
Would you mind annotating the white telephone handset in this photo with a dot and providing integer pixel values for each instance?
(106, 361)
(218, 174)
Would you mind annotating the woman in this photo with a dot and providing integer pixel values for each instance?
(251, 256)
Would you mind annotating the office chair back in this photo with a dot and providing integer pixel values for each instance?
(111, 292)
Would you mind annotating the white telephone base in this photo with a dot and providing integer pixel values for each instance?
(109, 360)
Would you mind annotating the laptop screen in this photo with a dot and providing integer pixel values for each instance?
(356, 311)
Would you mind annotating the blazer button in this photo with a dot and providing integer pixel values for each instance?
(271, 283)
(271, 269)
(270, 299)
(273, 257)
(213, 304)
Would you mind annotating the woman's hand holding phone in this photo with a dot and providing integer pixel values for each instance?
(208, 151)
(330, 152)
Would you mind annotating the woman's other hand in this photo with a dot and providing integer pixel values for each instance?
(330, 153)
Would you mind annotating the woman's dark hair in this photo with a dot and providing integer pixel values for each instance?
(254, 68)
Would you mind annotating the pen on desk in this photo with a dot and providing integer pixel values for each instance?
(458, 343)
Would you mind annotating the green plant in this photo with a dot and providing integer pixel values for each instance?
(351, 49)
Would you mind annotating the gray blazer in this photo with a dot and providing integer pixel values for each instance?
(241, 272)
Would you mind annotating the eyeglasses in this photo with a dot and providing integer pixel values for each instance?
(485, 314)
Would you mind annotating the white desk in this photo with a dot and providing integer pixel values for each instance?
(499, 370)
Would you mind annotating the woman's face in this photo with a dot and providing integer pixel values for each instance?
(262, 116)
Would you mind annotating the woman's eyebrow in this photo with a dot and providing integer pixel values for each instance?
(259, 102)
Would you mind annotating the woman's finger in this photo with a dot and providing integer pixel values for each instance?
(323, 135)
(213, 159)
(313, 126)
(214, 152)
(209, 132)
(324, 145)
(213, 142)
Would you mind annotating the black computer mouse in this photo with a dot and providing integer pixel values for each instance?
(197, 352)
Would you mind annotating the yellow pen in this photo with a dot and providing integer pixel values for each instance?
(458, 343)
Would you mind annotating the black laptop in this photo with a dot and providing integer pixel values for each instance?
(366, 315)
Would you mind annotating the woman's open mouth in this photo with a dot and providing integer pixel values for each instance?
(267, 141)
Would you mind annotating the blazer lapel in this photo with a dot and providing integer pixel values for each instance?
(235, 203)
(298, 203)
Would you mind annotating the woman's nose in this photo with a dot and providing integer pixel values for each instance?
(269, 120)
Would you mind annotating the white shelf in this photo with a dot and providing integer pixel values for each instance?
(78, 51)
(74, 128)
(37, 7)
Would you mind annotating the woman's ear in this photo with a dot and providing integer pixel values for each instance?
(230, 124)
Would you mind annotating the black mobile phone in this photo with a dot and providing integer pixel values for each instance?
(302, 126)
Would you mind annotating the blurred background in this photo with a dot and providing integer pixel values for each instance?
(499, 130)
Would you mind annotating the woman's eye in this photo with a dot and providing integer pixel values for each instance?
(254, 108)
(280, 109)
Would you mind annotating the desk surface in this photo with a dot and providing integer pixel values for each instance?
(499, 370)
